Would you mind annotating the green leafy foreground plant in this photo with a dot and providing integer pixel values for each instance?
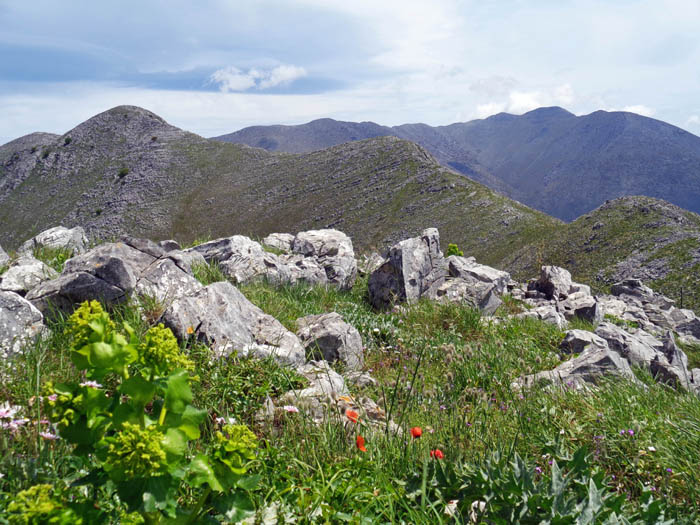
(138, 432)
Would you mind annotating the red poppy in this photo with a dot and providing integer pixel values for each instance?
(360, 442)
(437, 454)
(416, 432)
(352, 415)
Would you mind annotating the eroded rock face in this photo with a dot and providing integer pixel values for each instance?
(554, 282)
(220, 316)
(333, 251)
(639, 348)
(466, 268)
(279, 241)
(587, 369)
(576, 341)
(317, 257)
(112, 272)
(331, 337)
(414, 268)
(59, 237)
(546, 313)
(25, 274)
(582, 306)
(472, 292)
(20, 322)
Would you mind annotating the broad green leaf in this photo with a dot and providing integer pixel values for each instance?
(175, 444)
(235, 506)
(178, 394)
(202, 473)
(138, 389)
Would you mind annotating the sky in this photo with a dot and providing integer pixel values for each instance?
(216, 66)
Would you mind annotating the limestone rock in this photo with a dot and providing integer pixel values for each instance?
(467, 268)
(414, 268)
(554, 282)
(169, 245)
(219, 315)
(331, 337)
(475, 293)
(333, 251)
(368, 263)
(25, 274)
(576, 341)
(632, 288)
(112, 272)
(279, 241)
(20, 322)
(639, 348)
(546, 313)
(582, 306)
(586, 369)
(59, 237)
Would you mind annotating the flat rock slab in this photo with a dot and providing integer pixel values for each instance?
(219, 315)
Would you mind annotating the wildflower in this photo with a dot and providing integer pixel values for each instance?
(443, 407)
(451, 507)
(562, 432)
(669, 470)
(134, 453)
(651, 449)
(352, 415)
(90, 384)
(48, 436)
(538, 470)
(290, 408)
(8, 411)
(437, 454)
(190, 330)
(630, 432)
(53, 397)
(360, 443)
(416, 432)
(225, 420)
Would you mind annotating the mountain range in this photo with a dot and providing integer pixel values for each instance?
(549, 159)
(128, 171)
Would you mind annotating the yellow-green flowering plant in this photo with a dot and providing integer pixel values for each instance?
(139, 431)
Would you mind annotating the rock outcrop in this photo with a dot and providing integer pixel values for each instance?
(72, 239)
(319, 257)
(25, 274)
(4, 258)
(329, 337)
(20, 322)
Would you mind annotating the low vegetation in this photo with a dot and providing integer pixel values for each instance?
(472, 449)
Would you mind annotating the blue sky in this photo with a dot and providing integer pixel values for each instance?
(213, 67)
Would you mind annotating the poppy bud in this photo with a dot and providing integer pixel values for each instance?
(416, 432)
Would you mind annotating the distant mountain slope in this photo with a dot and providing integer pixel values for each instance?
(127, 170)
(640, 237)
(548, 158)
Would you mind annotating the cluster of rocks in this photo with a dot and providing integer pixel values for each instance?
(160, 276)
(319, 257)
(416, 268)
(633, 326)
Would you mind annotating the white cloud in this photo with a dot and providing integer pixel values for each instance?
(488, 109)
(640, 109)
(693, 120)
(233, 79)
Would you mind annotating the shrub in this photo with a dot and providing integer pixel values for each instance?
(67, 141)
(453, 249)
(134, 436)
(123, 173)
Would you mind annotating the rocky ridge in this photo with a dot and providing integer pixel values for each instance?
(633, 326)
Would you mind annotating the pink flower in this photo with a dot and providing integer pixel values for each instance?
(8, 411)
(53, 397)
(49, 436)
(290, 408)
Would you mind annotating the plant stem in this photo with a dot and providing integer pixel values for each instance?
(161, 418)
(198, 507)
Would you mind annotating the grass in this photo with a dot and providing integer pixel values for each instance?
(443, 368)
(53, 257)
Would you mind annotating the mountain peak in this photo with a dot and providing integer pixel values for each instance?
(549, 112)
